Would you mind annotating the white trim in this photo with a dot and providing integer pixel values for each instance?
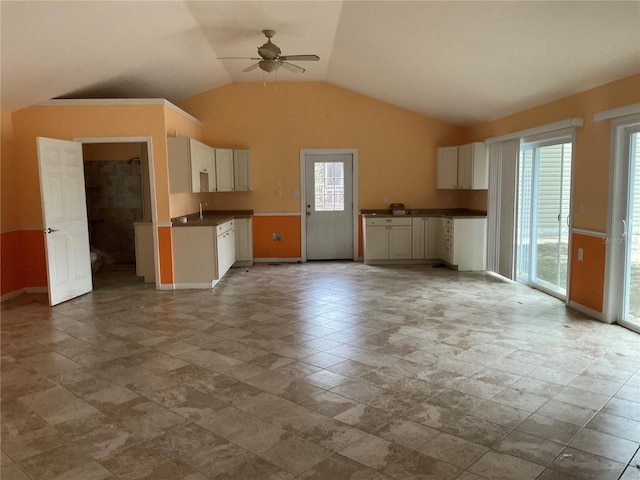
(277, 214)
(195, 286)
(550, 127)
(166, 286)
(588, 233)
(119, 102)
(164, 224)
(277, 260)
(152, 187)
(20, 228)
(615, 208)
(633, 109)
(587, 311)
(354, 191)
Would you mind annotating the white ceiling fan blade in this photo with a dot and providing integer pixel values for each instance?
(298, 58)
(252, 67)
(293, 68)
(237, 58)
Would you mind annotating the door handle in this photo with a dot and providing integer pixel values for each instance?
(308, 214)
(49, 230)
(624, 228)
(568, 220)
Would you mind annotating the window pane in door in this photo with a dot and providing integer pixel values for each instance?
(329, 186)
(633, 229)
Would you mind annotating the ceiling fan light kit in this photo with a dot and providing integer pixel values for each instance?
(271, 58)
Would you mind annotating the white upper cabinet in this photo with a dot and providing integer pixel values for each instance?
(473, 166)
(224, 170)
(464, 167)
(241, 170)
(190, 166)
(447, 170)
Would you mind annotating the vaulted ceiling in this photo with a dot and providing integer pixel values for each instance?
(461, 62)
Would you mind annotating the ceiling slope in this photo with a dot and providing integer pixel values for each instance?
(461, 62)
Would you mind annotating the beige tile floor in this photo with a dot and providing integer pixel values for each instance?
(329, 371)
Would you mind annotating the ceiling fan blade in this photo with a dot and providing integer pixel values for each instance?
(292, 68)
(237, 58)
(298, 58)
(252, 67)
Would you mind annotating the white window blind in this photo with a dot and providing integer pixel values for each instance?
(501, 214)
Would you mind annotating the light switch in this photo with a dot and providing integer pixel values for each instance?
(580, 254)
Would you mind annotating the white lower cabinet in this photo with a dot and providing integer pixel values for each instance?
(387, 239)
(459, 242)
(244, 242)
(202, 254)
(425, 238)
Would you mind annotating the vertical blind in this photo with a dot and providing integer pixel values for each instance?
(501, 214)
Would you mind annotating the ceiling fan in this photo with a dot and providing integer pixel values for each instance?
(271, 59)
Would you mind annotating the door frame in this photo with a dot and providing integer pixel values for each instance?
(614, 254)
(303, 190)
(152, 186)
(550, 138)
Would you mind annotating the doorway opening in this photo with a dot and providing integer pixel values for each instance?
(118, 197)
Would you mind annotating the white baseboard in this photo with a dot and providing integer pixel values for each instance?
(277, 260)
(243, 264)
(587, 311)
(166, 286)
(21, 291)
(195, 286)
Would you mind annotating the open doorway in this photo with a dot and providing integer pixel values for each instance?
(118, 202)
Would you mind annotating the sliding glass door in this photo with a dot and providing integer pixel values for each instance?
(544, 198)
(630, 238)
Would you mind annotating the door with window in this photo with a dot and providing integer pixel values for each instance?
(624, 241)
(329, 206)
(544, 199)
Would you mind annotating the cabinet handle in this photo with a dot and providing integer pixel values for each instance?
(388, 220)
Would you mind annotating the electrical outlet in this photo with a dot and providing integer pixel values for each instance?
(580, 254)
(277, 237)
(386, 200)
(279, 193)
(295, 194)
(278, 183)
(449, 199)
(581, 207)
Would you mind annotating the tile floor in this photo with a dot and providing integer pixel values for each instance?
(329, 371)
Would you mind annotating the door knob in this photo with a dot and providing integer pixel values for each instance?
(49, 230)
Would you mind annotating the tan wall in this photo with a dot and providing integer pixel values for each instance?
(396, 147)
(592, 145)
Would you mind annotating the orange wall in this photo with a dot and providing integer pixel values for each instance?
(289, 229)
(587, 276)
(396, 147)
(591, 171)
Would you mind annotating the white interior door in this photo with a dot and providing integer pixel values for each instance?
(329, 206)
(64, 210)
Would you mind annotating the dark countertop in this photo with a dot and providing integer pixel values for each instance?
(427, 212)
(212, 218)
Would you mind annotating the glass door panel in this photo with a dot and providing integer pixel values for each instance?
(544, 195)
(631, 311)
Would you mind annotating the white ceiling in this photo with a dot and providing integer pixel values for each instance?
(461, 62)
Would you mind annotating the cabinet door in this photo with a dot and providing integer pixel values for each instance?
(447, 168)
(400, 242)
(241, 171)
(200, 166)
(224, 170)
(377, 243)
(211, 169)
(432, 227)
(244, 250)
(418, 250)
(465, 166)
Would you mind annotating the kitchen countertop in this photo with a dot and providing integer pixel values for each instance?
(427, 212)
(212, 218)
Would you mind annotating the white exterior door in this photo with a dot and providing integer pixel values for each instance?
(64, 208)
(329, 206)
